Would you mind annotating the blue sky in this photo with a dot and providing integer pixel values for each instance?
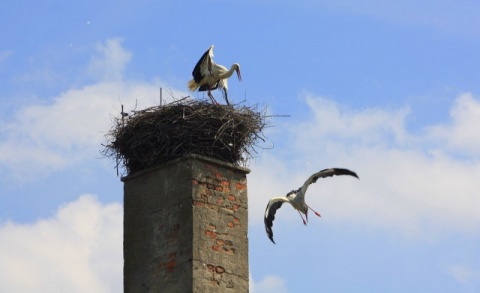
(388, 89)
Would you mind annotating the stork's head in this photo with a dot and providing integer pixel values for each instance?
(292, 192)
(237, 69)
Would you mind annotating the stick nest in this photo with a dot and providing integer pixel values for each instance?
(161, 133)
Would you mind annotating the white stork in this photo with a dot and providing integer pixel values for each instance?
(208, 75)
(297, 198)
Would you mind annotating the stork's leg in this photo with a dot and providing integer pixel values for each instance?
(212, 98)
(304, 222)
(316, 213)
(226, 98)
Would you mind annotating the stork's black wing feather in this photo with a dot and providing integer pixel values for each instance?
(204, 87)
(270, 216)
(329, 173)
(197, 70)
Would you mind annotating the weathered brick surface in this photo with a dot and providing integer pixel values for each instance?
(185, 228)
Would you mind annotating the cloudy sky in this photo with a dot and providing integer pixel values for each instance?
(389, 89)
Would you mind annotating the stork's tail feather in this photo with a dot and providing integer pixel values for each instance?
(192, 85)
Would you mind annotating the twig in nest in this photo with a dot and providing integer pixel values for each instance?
(158, 134)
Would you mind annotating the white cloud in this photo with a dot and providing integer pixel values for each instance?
(366, 127)
(77, 250)
(111, 61)
(42, 138)
(463, 132)
(408, 182)
(49, 137)
(269, 284)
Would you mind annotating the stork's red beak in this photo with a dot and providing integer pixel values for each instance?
(239, 74)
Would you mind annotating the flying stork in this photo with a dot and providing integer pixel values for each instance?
(208, 75)
(297, 198)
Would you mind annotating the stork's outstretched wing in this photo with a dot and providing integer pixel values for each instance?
(203, 66)
(322, 174)
(273, 205)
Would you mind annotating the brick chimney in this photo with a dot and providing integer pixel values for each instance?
(185, 227)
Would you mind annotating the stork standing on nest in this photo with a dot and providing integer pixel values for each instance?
(297, 198)
(208, 76)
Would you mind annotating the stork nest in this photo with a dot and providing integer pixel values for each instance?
(161, 133)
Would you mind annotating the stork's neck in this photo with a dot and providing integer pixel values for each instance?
(228, 73)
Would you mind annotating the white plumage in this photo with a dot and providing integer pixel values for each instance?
(208, 75)
(297, 198)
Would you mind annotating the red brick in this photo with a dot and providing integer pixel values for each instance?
(231, 198)
(210, 234)
(216, 248)
(211, 268)
(198, 203)
(236, 220)
(235, 206)
(220, 242)
(170, 266)
(240, 186)
(174, 235)
(219, 201)
(220, 270)
(231, 225)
